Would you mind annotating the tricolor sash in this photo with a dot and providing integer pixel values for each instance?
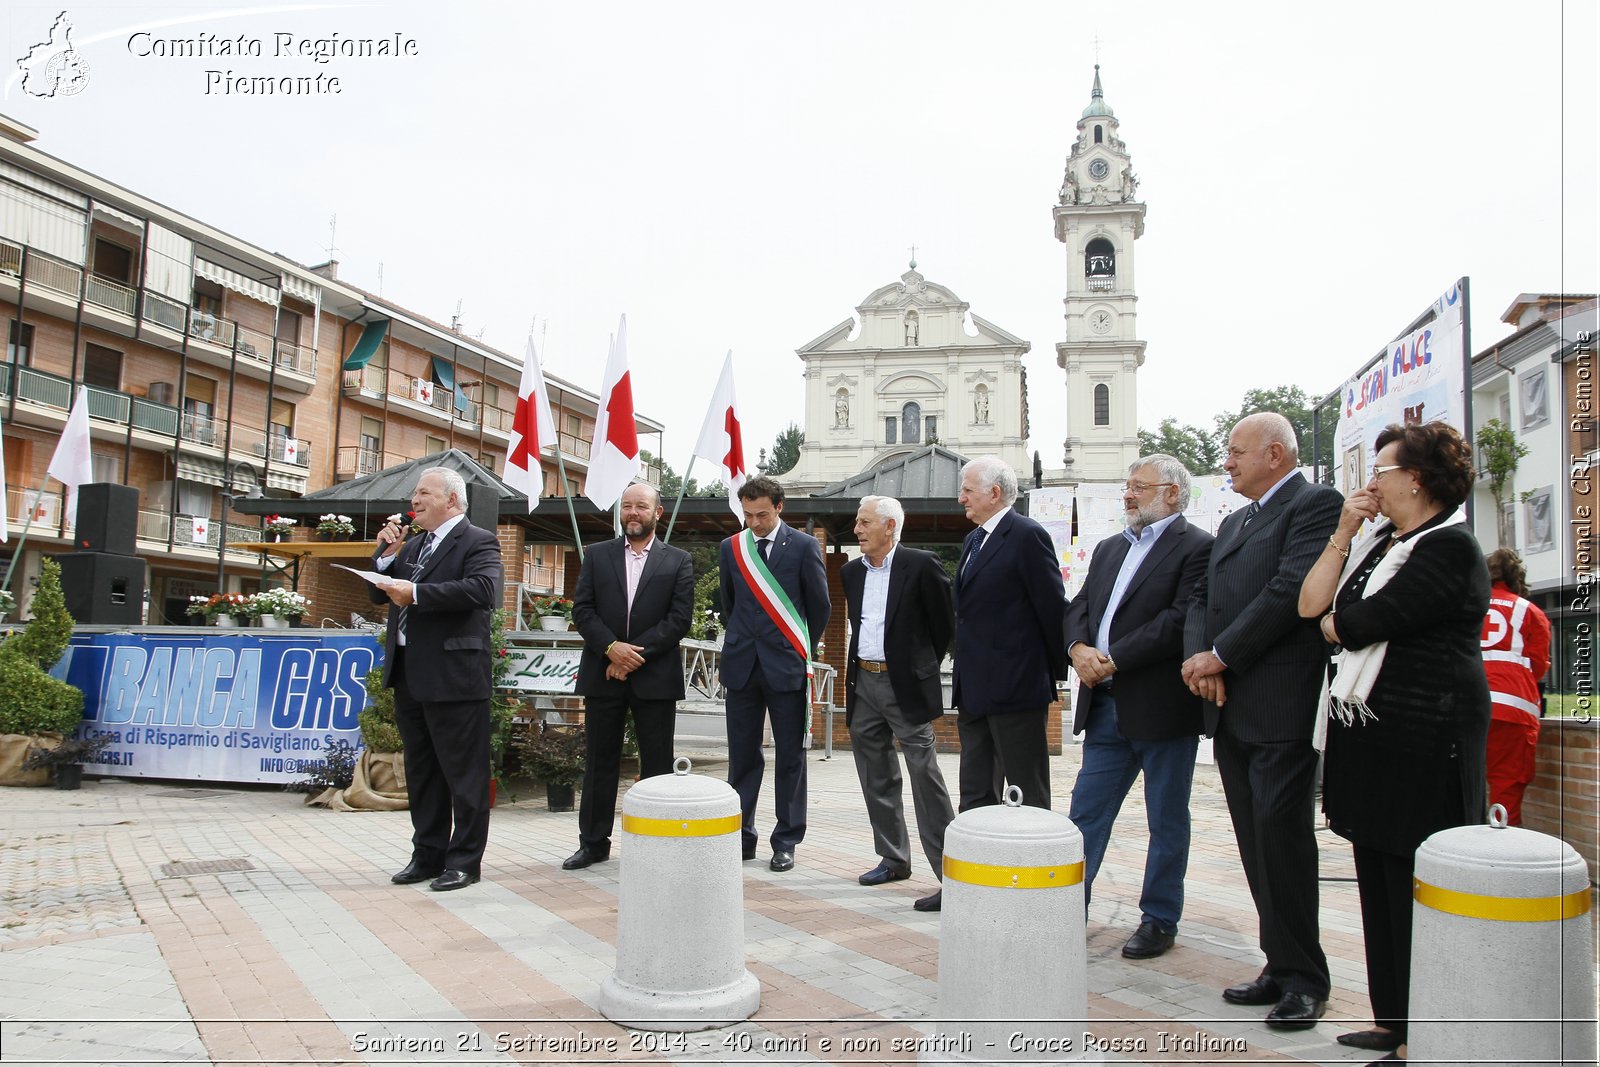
(770, 595)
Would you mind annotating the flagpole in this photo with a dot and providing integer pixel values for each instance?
(682, 489)
(566, 491)
(16, 553)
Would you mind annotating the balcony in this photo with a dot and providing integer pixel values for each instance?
(1101, 283)
(199, 429)
(154, 526)
(296, 358)
(165, 312)
(574, 445)
(46, 513)
(356, 462)
(210, 328)
(369, 379)
(113, 296)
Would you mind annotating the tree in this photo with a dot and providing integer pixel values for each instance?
(785, 451)
(1196, 448)
(1501, 452)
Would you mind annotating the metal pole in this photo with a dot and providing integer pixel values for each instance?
(682, 489)
(566, 491)
(16, 553)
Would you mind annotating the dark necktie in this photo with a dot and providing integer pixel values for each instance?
(422, 557)
(762, 546)
(983, 535)
(1251, 512)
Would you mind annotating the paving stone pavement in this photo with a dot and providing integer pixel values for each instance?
(282, 940)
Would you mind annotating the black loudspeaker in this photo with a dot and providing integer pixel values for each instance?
(108, 517)
(103, 588)
(483, 507)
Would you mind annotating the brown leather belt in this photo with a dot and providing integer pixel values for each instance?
(873, 666)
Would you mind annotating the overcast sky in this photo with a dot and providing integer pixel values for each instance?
(741, 175)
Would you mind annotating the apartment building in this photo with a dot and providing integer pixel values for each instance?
(217, 370)
(1538, 381)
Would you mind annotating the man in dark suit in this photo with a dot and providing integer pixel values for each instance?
(900, 628)
(633, 605)
(1010, 604)
(766, 656)
(1125, 639)
(1259, 667)
(445, 586)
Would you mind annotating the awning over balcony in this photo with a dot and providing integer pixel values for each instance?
(371, 337)
(232, 279)
(445, 375)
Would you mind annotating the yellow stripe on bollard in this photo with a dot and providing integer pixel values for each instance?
(728, 824)
(1013, 877)
(1501, 909)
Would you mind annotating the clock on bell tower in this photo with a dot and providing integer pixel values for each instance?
(1098, 219)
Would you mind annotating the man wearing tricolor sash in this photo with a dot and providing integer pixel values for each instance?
(775, 607)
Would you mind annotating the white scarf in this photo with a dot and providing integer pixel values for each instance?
(1356, 670)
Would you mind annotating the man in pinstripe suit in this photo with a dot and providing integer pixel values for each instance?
(1259, 667)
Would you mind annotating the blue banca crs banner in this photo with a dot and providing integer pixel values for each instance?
(220, 707)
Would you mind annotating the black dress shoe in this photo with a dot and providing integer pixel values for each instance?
(1296, 1011)
(452, 880)
(1148, 942)
(416, 871)
(1257, 991)
(583, 857)
(883, 872)
(930, 903)
(782, 861)
(1371, 1040)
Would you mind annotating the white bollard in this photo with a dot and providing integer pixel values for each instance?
(1502, 956)
(680, 911)
(1012, 949)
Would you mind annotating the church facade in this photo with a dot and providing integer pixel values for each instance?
(912, 375)
(1098, 218)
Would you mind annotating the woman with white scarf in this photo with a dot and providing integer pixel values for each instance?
(1408, 706)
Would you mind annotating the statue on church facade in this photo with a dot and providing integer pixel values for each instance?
(980, 405)
(1130, 184)
(913, 328)
(841, 409)
(1069, 189)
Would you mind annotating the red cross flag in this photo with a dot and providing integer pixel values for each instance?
(722, 438)
(614, 460)
(532, 429)
(70, 464)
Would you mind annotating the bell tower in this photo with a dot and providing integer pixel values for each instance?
(1098, 219)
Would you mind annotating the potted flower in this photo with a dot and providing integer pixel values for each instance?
(553, 753)
(278, 528)
(553, 612)
(8, 604)
(66, 759)
(335, 528)
(279, 607)
(223, 609)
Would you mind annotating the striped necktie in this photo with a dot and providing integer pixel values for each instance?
(977, 545)
(428, 543)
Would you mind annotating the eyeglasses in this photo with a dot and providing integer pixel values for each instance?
(1385, 468)
(1140, 488)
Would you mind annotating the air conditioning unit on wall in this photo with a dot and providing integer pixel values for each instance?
(163, 392)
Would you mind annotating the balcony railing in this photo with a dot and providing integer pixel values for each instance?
(211, 328)
(366, 380)
(155, 525)
(46, 513)
(54, 391)
(573, 445)
(297, 358)
(496, 418)
(10, 259)
(1102, 283)
(164, 311)
(352, 461)
(113, 296)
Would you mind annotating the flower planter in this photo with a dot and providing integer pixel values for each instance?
(227, 622)
(555, 624)
(273, 622)
(324, 536)
(558, 797)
